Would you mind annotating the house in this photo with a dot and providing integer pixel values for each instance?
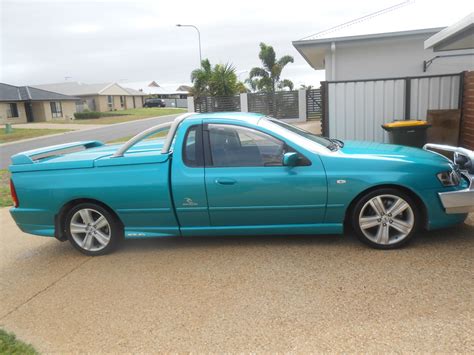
(21, 104)
(98, 97)
(135, 99)
(459, 36)
(172, 94)
(373, 79)
(381, 55)
(165, 91)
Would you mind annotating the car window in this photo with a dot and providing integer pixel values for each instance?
(308, 135)
(233, 146)
(192, 155)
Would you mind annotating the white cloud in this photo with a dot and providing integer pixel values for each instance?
(83, 28)
(97, 41)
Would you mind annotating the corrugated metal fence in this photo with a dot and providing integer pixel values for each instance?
(357, 109)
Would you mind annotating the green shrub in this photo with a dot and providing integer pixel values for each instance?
(83, 115)
(95, 114)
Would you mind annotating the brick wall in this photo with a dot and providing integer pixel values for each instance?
(467, 126)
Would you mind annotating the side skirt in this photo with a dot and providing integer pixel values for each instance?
(290, 229)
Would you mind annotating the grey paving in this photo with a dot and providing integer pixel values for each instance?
(286, 294)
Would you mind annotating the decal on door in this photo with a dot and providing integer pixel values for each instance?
(189, 202)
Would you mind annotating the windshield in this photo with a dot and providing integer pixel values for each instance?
(301, 132)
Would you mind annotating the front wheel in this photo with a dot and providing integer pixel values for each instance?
(385, 218)
(92, 229)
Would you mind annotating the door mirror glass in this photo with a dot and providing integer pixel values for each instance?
(290, 159)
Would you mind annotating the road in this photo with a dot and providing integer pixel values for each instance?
(240, 295)
(107, 133)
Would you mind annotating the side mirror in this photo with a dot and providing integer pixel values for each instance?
(290, 159)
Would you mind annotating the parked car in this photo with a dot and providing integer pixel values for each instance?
(154, 103)
(238, 174)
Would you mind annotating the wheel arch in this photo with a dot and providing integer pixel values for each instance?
(419, 202)
(59, 217)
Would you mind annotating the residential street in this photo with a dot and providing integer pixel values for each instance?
(107, 133)
(249, 294)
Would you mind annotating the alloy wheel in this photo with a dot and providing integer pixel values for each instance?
(386, 219)
(90, 229)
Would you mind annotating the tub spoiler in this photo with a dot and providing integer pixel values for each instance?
(30, 156)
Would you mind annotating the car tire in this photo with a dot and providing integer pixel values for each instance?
(92, 229)
(385, 218)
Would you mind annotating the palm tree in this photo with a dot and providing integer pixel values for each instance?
(267, 78)
(201, 78)
(285, 83)
(219, 80)
(223, 80)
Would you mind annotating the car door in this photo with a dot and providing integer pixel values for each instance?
(187, 180)
(247, 185)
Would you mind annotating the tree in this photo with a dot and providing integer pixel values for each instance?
(285, 83)
(223, 80)
(201, 78)
(219, 80)
(267, 78)
(306, 87)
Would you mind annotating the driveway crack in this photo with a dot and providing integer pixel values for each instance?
(44, 289)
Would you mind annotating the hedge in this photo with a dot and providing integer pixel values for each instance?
(82, 115)
(95, 114)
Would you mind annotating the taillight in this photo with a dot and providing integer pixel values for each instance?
(16, 203)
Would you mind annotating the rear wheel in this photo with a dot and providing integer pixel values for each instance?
(385, 218)
(92, 229)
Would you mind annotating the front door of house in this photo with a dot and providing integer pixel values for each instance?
(29, 112)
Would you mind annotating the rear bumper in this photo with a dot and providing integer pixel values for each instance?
(460, 201)
(33, 221)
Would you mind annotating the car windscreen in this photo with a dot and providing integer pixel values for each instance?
(308, 135)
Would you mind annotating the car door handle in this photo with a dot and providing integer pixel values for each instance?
(225, 181)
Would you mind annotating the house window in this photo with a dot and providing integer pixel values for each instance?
(110, 102)
(12, 110)
(56, 109)
(122, 101)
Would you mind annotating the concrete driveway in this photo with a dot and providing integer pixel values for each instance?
(324, 293)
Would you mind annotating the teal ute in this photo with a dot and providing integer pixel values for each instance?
(236, 174)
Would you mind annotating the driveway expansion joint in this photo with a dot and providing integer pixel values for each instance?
(47, 287)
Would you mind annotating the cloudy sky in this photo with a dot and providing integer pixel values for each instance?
(133, 40)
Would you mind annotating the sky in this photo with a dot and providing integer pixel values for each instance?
(137, 40)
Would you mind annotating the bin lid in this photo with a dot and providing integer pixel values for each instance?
(406, 123)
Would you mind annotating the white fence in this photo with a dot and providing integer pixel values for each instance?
(357, 109)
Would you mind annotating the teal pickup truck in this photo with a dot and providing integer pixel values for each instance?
(237, 174)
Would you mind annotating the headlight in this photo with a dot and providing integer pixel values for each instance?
(449, 178)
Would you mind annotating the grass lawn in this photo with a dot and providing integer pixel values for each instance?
(119, 140)
(24, 133)
(5, 197)
(129, 115)
(124, 139)
(10, 345)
